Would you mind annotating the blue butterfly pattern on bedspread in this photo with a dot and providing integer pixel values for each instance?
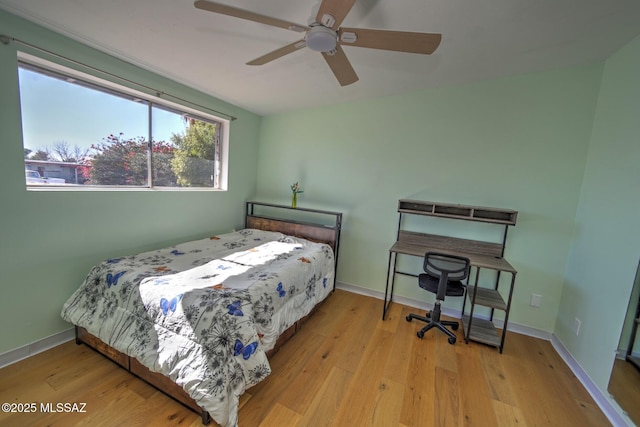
(205, 312)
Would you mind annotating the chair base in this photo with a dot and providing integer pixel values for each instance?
(433, 321)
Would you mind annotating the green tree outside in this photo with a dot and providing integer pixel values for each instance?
(195, 154)
(188, 160)
(119, 161)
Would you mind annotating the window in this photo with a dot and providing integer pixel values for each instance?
(81, 132)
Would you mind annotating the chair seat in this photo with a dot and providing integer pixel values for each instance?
(455, 288)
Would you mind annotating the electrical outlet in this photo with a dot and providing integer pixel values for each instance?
(576, 326)
(536, 300)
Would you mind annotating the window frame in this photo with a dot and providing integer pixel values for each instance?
(56, 70)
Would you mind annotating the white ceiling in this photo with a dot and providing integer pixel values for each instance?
(482, 39)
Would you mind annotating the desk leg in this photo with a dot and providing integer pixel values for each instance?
(390, 274)
(473, 305)
(496, 288)
(465, 295)
(506, 313)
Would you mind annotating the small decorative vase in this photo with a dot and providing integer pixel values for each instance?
(294, 200)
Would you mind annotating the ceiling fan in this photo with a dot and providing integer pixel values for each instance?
(323, 34)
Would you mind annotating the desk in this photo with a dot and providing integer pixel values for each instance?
(483, 255)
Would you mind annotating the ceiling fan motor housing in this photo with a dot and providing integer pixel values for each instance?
(321, 39)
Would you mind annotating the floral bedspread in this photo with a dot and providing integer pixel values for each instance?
(205, 312)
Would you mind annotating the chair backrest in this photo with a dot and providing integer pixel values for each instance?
(446, 268)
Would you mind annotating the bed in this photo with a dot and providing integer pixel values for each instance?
(199, 320)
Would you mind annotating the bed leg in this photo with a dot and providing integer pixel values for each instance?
(206, 418)
(78, 342)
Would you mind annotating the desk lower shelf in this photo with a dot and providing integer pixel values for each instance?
(482, 331)
(486, 297)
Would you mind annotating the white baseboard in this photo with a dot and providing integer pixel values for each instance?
(13, 356)
(612, 411)
(609, 408)
(622, 354)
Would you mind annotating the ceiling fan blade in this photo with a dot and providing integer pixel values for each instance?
(251, 16)
(341, 67)
(337, 9)
(278, 53)
(400, 41)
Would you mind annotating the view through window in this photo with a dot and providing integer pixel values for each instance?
(78, 133)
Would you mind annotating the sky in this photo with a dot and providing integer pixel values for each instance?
(54, 110)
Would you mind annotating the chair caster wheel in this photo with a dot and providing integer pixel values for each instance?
(454, 327)
(420, 334)
(409, 318)
(452, 340)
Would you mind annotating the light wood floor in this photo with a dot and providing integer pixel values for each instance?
(345, 367)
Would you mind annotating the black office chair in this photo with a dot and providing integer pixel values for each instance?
(443, 276)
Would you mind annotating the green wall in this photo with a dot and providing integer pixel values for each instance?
(50, 240)
(606, 247)
(518, 142)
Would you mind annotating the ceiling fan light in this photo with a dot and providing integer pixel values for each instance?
(321, 39)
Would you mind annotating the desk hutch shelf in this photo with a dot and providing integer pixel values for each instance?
(463, 212)
(482, 254)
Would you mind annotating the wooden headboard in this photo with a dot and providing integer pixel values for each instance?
(304, 231)
(283, 219)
